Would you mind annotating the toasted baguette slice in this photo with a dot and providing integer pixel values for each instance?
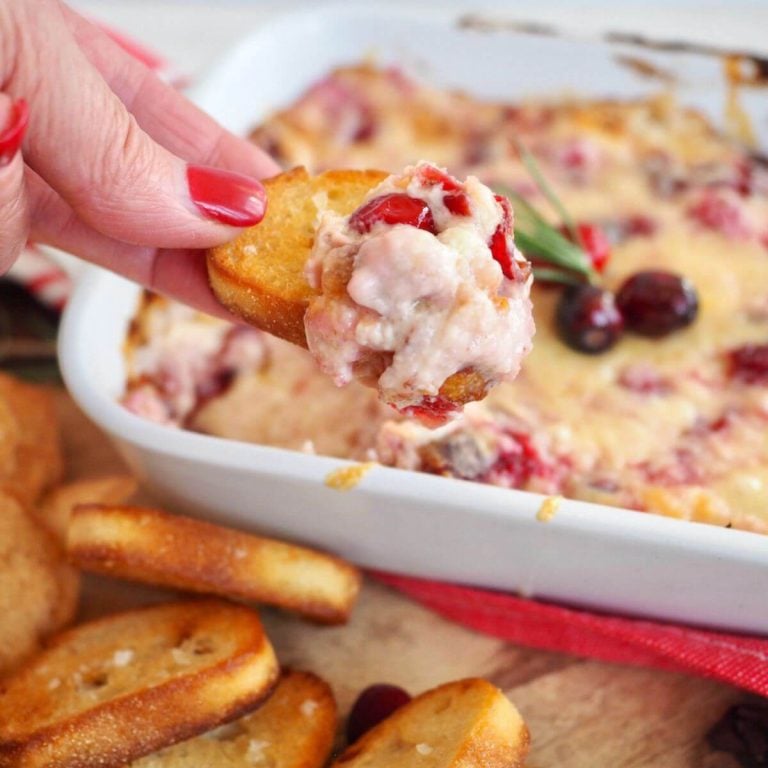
(56, 506)
(118, 688)
(38, 462)
(294, 728)
(38, 588)
(464, 724)
(170, 550)
(260, 275)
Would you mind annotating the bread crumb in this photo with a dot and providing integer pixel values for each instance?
(255, 753)
(308, 707)
(54, 683)
(122, 658)
(180, 657)
(346, 478)
(240, 553)
(548, 508)
(423, 749)
(250, 250)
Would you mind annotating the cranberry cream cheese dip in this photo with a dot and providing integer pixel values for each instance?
(421, 282)
(409, 283)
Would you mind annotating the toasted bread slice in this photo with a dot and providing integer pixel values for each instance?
(38, 462)
(118, 688)
(155, 547)
(56, 506)
(294, 728)
(464, 724)
(38, 588)
(260, 275)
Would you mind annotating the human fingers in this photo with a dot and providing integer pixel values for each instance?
(13, 198)
(177, 273)
(91, 150)
(164, 113)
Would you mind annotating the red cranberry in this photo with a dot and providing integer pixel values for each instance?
(655, 303)
(371, 707)
(721, 213)
(458, 204)
(455, 201)
(498, 242)
(587, 319)
(596, 244)
(639, 225)
(517, 465)
(395, 208)
(749, 363)
(432, 411)
(431, 176)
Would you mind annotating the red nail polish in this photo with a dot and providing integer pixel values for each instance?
(225, 196)
(13, 133)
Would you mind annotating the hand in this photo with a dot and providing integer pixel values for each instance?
(100, 158)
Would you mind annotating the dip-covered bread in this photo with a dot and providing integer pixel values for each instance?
(421, 282)
(410, 283)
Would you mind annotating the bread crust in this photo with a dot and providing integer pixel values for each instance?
(38, 588)
(55, 508)
(75, 705)
(158, 548)
(37, 462)
(463, 724)
(259, 275)
(294, 728)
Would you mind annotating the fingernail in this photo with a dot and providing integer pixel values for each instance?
(225, 196)
(13, 133)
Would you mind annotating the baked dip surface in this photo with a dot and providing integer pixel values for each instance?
(675, 425)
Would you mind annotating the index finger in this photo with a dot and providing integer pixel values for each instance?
(164, 113)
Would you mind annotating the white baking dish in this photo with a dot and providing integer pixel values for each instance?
(590, 555)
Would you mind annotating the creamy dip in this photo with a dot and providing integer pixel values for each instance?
(419, 304)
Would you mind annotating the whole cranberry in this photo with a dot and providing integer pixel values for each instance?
(655, 303)
(587, 319)
(371, 707)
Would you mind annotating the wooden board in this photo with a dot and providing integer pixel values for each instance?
(581, 714)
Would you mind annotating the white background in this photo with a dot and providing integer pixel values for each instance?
(193, 34)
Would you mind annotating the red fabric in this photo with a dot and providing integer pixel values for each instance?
(736, 659)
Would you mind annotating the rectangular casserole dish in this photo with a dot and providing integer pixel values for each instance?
(587, 554)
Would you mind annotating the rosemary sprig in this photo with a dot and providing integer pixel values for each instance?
(555, 276)
(529, 161)
(539, 240)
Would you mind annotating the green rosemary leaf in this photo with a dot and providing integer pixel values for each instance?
(532, 166)
(537, 238)
(555, 276)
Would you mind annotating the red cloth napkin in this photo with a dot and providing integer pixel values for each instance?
(736, 659)
(739, 660)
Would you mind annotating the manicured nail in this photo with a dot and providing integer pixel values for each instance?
(225, 196)
(13, 133)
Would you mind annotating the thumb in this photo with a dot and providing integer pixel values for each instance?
(86, 145)
(13, 198)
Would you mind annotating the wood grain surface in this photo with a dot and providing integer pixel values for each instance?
(582, 714)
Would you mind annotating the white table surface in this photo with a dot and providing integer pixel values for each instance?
(193, 34)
